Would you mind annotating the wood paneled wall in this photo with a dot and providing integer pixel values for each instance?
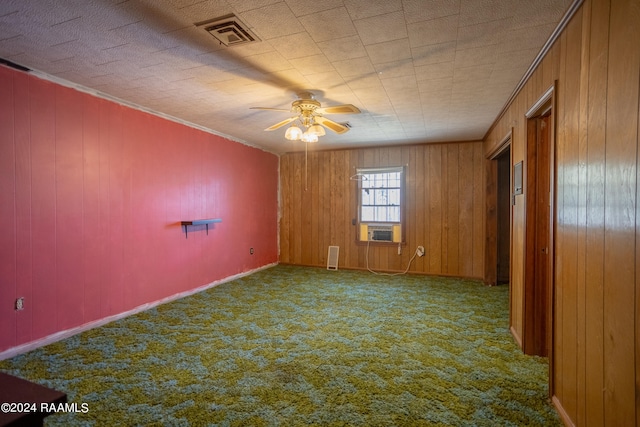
(596, 345)
(444, 208)
(91, 198)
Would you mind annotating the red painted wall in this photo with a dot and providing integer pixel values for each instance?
(91, 196)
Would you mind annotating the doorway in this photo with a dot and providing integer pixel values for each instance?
(503, 214)
(498, 214)
(538, 283)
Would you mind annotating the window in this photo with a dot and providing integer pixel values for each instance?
(380, 203)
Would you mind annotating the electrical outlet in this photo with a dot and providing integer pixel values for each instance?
(420, 251)
(20, 303)
(251, 251)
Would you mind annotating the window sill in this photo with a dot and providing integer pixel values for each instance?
(379, 243)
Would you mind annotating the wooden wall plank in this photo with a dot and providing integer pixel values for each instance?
(425, 191)
(314, 230)
(340, 174)
(452, 208)
(43, 203)
(594, 256)
(92, 252)
(416, 162)
(24, 236)
(102, 229)
(394, 157)
(479, 208)
(306, 193)
(325, 205)
(583, 142)
(465, 211)
(8, 259)
(620, 188)
(347, 213)
(352, 250)
(434, 248)
(285, 207)
(567, 219)
(560, 360)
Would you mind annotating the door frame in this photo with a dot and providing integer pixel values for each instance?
(546, 104)
(491, 243)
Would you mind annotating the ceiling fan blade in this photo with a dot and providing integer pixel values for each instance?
(270, 109)
(282, 123)
(339, 109)
(331, 125)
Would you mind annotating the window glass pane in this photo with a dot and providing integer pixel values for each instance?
(367, 214)
(380, 196)
(367, 197)
(394, 197)
(394, 214)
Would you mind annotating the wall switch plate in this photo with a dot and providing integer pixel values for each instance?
(251, 251)
(20, 303)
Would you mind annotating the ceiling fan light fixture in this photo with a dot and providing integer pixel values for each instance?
(308, 112)
(293, 133)
(317, 130)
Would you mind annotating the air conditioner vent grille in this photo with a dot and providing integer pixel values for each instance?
(382, 235)
(228, 30)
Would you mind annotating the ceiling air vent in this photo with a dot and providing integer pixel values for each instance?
(229, 30)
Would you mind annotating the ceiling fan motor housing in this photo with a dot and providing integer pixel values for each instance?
(306, 108)
(305, 104)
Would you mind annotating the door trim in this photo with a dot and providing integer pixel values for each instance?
(546, 104)
(491, 244)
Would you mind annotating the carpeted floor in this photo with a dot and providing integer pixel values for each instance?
(291, 346)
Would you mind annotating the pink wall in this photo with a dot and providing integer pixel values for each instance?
(91, 195)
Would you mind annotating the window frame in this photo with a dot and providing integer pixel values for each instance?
(362, 174)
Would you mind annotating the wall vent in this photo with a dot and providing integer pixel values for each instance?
(332, 257)
(228, 30)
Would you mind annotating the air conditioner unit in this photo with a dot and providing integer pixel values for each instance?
(380, 233)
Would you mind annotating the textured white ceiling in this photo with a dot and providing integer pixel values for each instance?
(420, 70)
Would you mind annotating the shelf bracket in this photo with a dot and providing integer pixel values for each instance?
(206, 223)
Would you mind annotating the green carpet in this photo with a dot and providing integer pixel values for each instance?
(291, 346)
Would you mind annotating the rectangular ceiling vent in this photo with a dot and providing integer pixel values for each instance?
(229, 30)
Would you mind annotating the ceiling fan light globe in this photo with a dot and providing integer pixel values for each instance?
(317, 130)
(293, 133)
(309, 137)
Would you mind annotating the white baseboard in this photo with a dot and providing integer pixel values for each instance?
(58, 336)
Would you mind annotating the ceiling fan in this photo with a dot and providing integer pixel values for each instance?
(310, 113)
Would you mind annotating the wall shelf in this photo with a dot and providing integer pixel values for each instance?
(204, 222)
